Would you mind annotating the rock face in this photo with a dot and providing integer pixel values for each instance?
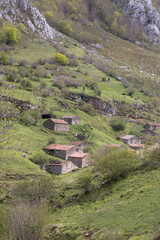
(144, 12)
(22, 11)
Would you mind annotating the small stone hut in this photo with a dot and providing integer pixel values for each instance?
(152, 126)
(130, 139)
(56, 125)
(61, 168)
(148, 132)
(79, 159)
(61, 151)
(72, 120)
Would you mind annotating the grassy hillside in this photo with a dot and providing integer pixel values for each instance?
(108, 70)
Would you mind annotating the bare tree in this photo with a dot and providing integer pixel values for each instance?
(26, 221)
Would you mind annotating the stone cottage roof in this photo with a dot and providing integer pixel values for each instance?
(127, 137)
(154, 124)
(59, 147)
(137, 145)
(58, 121)
(78, 155)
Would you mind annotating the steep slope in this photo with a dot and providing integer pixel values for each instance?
(109, 77)
(22, 11)
(143, 12)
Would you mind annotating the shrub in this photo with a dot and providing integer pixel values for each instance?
(3, 58)
(12, 76)
(62, 59)
(41, 158)
(88, 108)
(23, 63)
(2, 222)
(73, 62)
(41, 72)
(118, 163)
(36, 190)
(41, 61)
(26, 84)
(62, 81)
(65, 27)
(152, 159)
(26, 221)
(135, 132)
(117, 124)
(52, 140)
(131, 91)
(85, 181)
(30, 117)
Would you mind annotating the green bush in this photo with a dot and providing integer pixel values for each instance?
(2, 223)
(13, 75)
(35, 190)
(3, 58)
(62, 59)
(88, 108)
(26, 84)
(41, 158)
(117, 124)
(118, 163)
(30, 117)
(85, 181)
(52, 140)
(152, 159)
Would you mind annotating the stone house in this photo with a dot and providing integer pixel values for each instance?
(61, 151)
(79, 159)
(72, 120)
(148, 132)
(152, 126)
(56, 125)
(130, 139)
(61, 168)
(137, 146)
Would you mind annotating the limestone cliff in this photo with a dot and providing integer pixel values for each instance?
(22, 11)
(144, 12)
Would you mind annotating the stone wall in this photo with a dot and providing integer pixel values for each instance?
(61, 168)
(61, 127)
(62, 153)
(79, 162)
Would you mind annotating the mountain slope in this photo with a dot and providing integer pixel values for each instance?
(20, 11)
(106, 76)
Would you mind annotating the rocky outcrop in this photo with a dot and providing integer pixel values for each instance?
(103, 107)
(22, 11)
(22, 105)
(143, 12)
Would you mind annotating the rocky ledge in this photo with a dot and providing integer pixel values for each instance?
(22, 11)
(144, 12)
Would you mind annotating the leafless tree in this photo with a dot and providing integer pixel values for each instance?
(26, 221)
